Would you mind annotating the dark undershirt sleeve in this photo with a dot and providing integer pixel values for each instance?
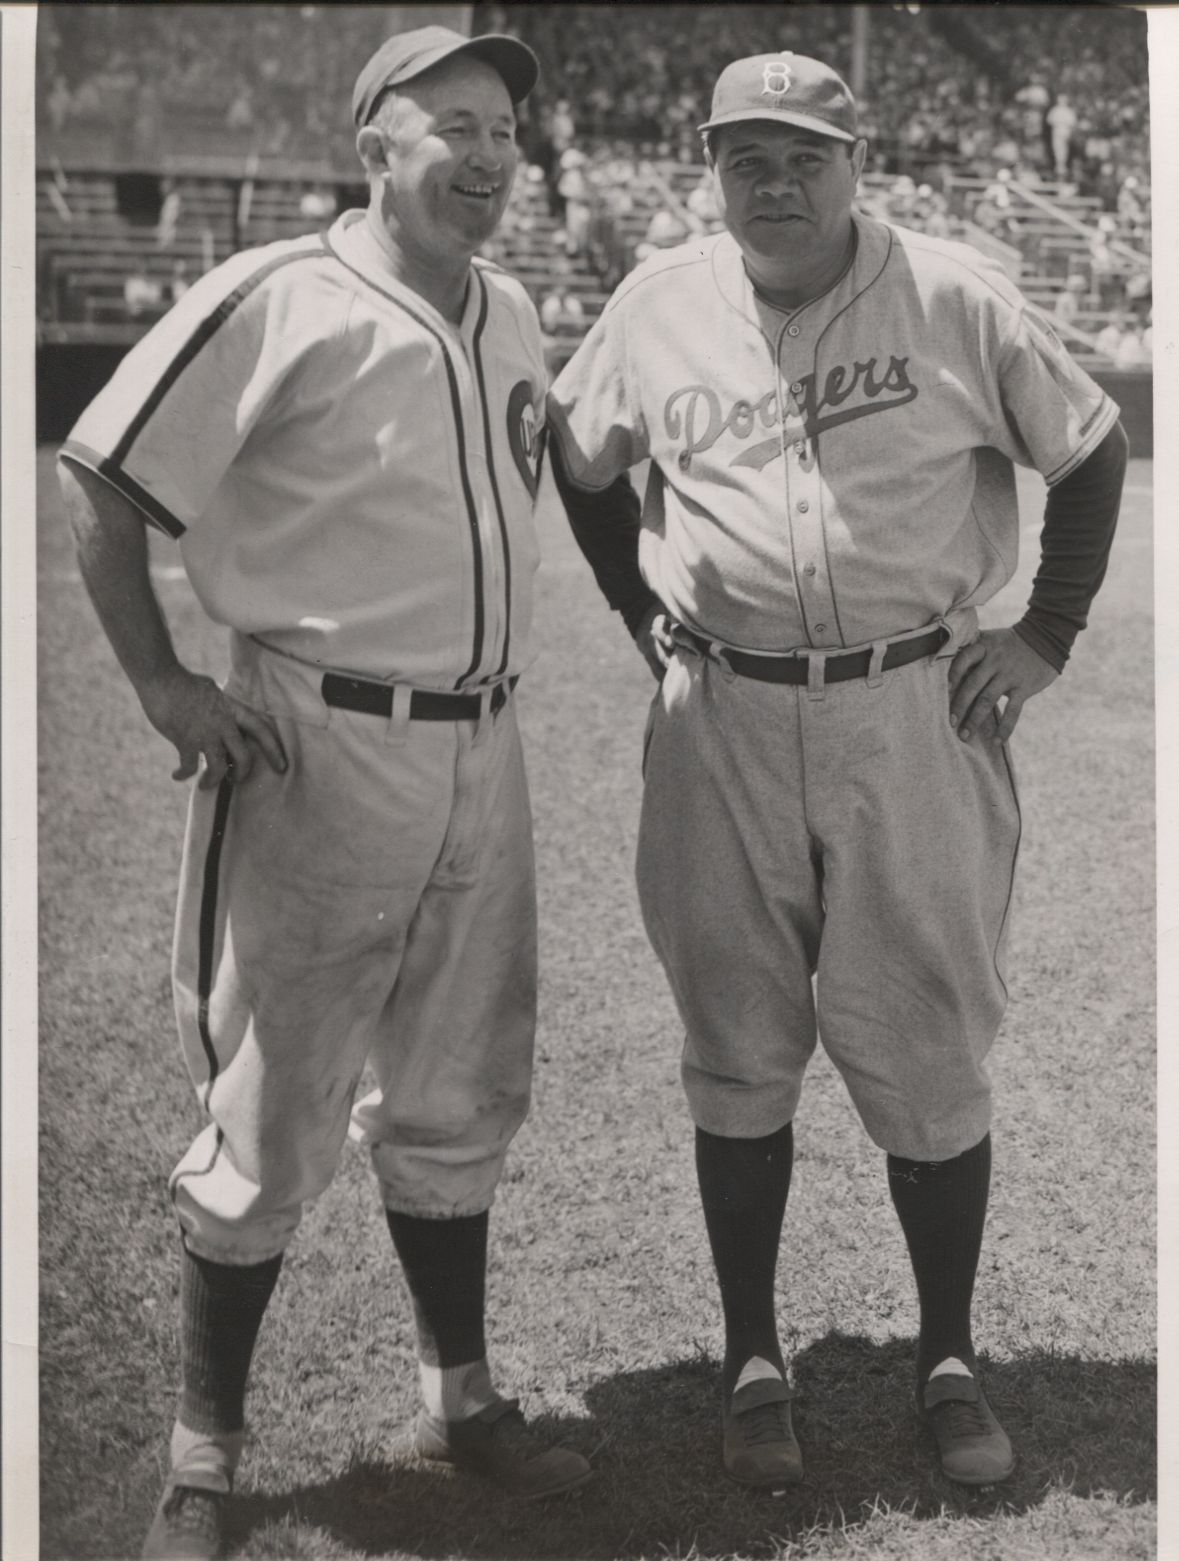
(1079, 521)
(606, 524)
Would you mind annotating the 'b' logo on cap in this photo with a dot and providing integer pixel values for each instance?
(776, 78)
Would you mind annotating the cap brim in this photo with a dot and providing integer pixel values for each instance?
(803, 121)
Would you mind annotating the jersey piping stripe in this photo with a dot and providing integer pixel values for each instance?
(101, 466)
(870, 282)
(207, 928)
(460, 432)
(1014, 860)
(203, 334)
(193, 1171)
(499, 509)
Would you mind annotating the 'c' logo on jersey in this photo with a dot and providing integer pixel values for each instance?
(524, 435)
(775, 79)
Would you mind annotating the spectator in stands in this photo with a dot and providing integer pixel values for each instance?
(178, 285)
(1104, 267)
(1130, 210)
(317, 205)
(1034, 98)
(1061, 120)
(992, 211)
(930, 212)
(663, 232)
(1131, 354)
(240, 114)
(169, 215)
(560, 307)
(562, 128)
(148, 123)
(701, 203)
(1070, 298)
(577, 196)
(59, 103)
(141, 295)
(1138, 293)
(1109, 339)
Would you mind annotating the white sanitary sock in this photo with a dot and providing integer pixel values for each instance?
(212, 1452)
(456, 1392)
(755, 1369)
(950, 1367)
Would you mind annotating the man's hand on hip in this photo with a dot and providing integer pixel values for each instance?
(198, 718)
(653, 637)
(997, 665)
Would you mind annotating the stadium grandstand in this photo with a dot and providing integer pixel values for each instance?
(169, 136)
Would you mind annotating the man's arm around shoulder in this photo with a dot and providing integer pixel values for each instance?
(185, 707)
(606, 524)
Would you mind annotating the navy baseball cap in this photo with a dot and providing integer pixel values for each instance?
(791, 88)
(407, 55)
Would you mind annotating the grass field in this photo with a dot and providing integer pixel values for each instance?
(603, 1314)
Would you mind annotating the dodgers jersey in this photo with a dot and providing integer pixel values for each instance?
(838, 474)
(350, 477)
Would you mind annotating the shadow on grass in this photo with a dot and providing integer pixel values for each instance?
(1081, 1426)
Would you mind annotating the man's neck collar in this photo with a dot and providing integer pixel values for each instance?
(789, 299)
(443, 287)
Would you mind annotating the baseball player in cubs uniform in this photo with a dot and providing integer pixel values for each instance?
(832, 409)
(341, 434)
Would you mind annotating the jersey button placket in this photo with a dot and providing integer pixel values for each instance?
(806, 518)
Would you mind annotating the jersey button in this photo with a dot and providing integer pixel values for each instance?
(792, 330)
(796, 388)
(820, 628)
(803, 506)
(809, 570)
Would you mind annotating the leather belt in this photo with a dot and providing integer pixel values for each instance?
(838, 666)
(425, 704)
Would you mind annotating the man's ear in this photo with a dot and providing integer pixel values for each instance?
(370, 148)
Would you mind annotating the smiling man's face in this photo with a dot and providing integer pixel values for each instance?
(785, 193)
(451, 157)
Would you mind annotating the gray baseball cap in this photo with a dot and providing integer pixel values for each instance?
(407, 55)
(789, 87)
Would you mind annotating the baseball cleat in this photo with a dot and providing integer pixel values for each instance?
(498, 1443)
(760, 1447)
(974, 1447)
(189, 1521)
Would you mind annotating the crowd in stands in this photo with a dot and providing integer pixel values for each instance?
(1068, 99)
(269, 79)
(1051, 97)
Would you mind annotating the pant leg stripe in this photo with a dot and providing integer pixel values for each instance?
(208, 927)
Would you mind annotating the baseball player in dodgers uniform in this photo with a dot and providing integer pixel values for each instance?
(340, 432)
(832, 408)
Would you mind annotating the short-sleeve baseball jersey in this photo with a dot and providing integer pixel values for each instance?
(834, 475)
(350, 477)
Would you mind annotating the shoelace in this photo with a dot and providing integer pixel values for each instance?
(766, 1423)
(962, 1419)
(191, 1511)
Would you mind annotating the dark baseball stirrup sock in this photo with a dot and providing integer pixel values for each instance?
(743, 1188)
(221, 1309)
(445, 1266)
(942, 1206)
